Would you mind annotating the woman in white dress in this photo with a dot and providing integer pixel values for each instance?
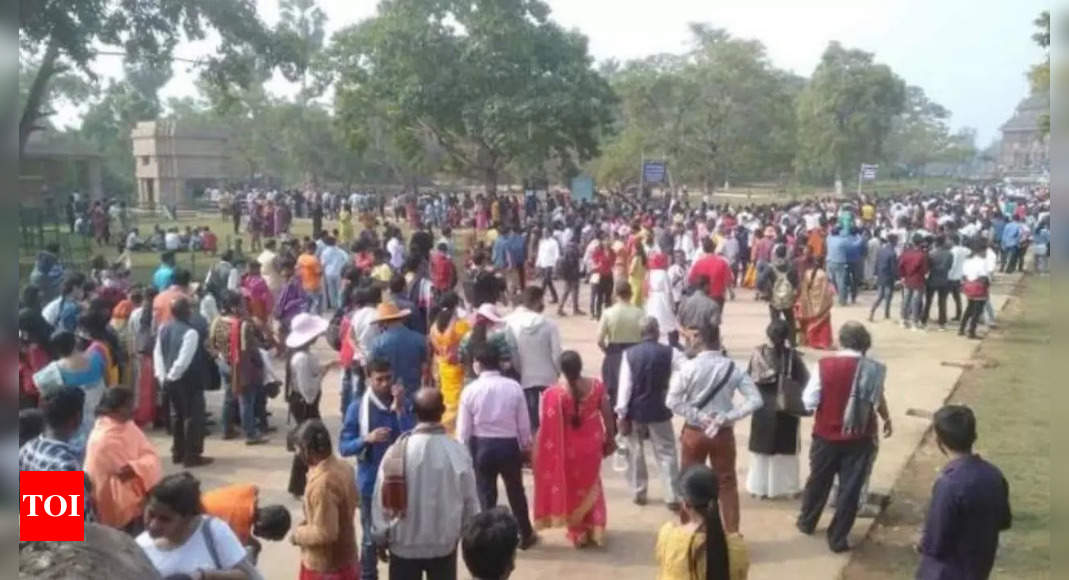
(659, 300)
(774, 434)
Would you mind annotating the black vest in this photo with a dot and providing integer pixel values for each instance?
(651, 368)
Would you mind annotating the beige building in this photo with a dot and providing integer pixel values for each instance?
(174, 163)
(1025, 149)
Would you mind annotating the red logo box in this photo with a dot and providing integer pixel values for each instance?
(52, 506)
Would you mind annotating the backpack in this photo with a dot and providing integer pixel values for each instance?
(782, 292)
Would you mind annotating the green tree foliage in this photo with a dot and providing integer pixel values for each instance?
(845, 114)
(493, 83)
(65, 37)
(1039, 75)
(919, 135)
(720, 111)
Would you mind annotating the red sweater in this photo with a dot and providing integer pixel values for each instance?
(716, 269)
(836, 378)
(913, 268)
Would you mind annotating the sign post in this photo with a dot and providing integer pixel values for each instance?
(866, 173)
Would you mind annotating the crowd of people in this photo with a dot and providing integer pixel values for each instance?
(443, 392)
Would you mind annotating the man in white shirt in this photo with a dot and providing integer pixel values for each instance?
(702, 392)
(172, 242)
(440, 496)
(959, 253)
(546, 261)
(180, 369)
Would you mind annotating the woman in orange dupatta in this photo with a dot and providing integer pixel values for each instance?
(120, 462)
(577, 431)
(815, 300)
(445, 336)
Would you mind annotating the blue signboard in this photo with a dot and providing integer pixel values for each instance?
(583, 187)
(654, 171)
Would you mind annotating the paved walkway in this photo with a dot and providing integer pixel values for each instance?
(923, 368)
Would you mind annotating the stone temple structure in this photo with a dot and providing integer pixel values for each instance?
(174, 163)
(1025, 148)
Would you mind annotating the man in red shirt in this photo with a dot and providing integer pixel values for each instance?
(603, 259)
(913, 269)
(715, 268)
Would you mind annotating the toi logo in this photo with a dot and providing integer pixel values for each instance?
(52, 506)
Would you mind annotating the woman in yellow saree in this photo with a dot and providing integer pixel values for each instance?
(445, 336)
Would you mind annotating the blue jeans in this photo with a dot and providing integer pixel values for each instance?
(332, 288)
(911, 304)
(247, 403)
(368, 560)
(886, 293)
(838, 273)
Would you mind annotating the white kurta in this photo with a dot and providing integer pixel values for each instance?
(659, 301)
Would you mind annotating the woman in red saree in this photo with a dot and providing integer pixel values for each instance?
(815, 299)
(577, 431)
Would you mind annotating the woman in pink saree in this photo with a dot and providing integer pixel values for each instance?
(577, 431)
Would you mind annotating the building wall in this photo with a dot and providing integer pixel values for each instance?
(167, 154)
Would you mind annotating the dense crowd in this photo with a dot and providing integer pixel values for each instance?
(443, 393)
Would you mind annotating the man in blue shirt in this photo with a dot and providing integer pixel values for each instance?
(886, 276)
(970, 505)
(838, 263)
(373, 423)
(404, 348)
(1012, 236)
(855, 262)
(162, 277)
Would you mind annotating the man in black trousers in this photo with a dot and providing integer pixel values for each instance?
(846, 391)
(493, 422)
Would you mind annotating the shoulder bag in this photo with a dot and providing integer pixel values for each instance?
(789, 390)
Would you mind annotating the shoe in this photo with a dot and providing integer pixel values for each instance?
(198, 461)
(942, 328)
(268, 428)
(229, 434)
(639, 500)
(561, 313)
(258, 440)
(806, 531)
(871, 318)
(839, 548)
(579, 313)
(674, 506)
(529, 541)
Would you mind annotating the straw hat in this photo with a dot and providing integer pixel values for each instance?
(304, 329)
(388, 311)
(489, 312)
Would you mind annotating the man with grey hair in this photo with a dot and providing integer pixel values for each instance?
(846, 393)
(645, 369)
(181, 368)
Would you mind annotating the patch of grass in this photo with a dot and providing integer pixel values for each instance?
(1013, 415)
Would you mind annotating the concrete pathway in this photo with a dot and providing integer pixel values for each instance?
(923, 368)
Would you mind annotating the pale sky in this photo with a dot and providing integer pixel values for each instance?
(968, 55)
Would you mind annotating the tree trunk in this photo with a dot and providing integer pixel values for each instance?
(491, 180)
(34, 99)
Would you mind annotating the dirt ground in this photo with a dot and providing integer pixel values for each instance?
(1013, 418)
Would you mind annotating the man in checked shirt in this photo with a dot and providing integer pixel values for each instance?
(50, 451)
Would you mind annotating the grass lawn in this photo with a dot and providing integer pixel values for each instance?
(1013, 414)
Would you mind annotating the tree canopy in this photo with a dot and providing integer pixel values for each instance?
(65, 37)
(845, 113)
(495, 84)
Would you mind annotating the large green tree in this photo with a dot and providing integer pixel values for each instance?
(494, 83)
(845, 114)
(719, 111)
(65, 37)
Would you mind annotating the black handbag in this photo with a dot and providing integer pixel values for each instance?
(789, 390)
